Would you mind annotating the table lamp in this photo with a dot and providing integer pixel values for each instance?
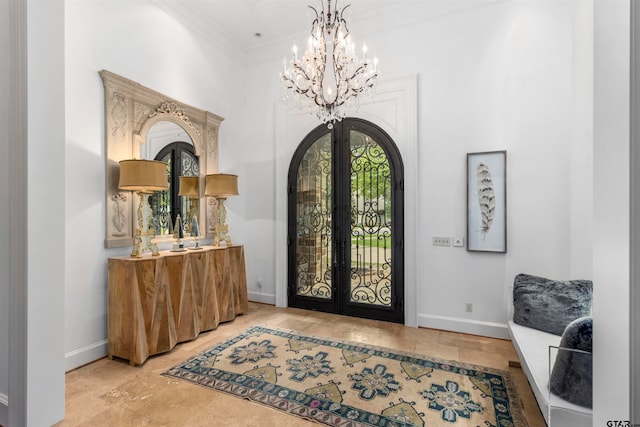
(220, 186)
(190, 188)
(143, 177)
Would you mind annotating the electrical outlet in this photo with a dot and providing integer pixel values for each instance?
(259, 283)
(469, 307)
(442, 241)
(458, 241)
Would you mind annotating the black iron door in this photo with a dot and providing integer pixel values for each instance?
(345, 232)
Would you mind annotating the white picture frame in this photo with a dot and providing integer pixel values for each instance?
(487, 201)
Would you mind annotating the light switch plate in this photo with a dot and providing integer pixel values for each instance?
(458, 241)
(442, 241)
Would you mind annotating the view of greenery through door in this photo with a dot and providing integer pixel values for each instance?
(370, 178)
(342, 222)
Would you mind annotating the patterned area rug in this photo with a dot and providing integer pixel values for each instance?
(340, 383)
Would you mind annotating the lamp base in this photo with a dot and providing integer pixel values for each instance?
(142, 242)
(221, 229)
(144, 232)
(222, 239)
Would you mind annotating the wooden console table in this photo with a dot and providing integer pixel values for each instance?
(157, 302)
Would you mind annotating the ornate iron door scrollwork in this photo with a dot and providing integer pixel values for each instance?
(314, 213)
(371, 225)
(345, 223)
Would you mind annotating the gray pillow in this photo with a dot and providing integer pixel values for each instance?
(550, 305)
(572, 375)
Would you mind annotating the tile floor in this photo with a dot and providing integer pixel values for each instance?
(112, 393)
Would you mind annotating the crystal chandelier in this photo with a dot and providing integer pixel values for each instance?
(329, 76)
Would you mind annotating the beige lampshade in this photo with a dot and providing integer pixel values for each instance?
(189, 186)
(221, 185)
(145, 176)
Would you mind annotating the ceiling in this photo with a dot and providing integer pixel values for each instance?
(236, 22)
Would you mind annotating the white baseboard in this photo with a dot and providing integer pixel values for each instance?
(84, 355)
(466, 326)
(92, 352)
(263, 298)
(4, 409)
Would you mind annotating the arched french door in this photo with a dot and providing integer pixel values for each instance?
(345, 223)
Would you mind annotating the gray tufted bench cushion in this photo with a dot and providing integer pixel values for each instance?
(550, 305)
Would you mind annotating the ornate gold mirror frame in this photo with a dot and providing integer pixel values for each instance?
(130, 111)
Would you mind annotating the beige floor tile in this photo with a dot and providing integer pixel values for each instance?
(112, 393)
(483, 358)
(113, 417)
(440, 351)
(427, 335)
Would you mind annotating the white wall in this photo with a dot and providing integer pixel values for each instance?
(257, 177)
(31, 262)
(45, 197)
(611, 211)
(581, 192)
(139, 41)
(5, 40)
(505, 76)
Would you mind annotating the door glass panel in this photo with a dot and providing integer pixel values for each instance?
(370, 222)
(189, 167)
(161, 204)
(314, 221)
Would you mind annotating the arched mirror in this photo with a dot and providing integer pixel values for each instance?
(170, 144)
(143, 123)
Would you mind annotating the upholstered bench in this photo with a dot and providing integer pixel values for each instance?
(538, 315)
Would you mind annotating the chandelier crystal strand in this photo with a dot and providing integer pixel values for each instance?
(329, 76)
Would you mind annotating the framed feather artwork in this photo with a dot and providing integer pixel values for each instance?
(487, 201)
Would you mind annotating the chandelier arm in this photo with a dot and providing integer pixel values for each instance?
(320, 101)
(303, 74)
(343, 22)
(294, 87)
(297, 67)
(338, 69)
(317, 18)
(342, 86)
(315, 82)
(359, 71)
(371, 81)
(289, 84)
(342, 12)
